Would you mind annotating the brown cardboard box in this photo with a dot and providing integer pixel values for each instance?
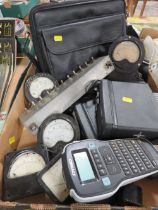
(11, 132)
(15, 136)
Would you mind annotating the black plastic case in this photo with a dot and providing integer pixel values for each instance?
(126, 109)
(85, 112)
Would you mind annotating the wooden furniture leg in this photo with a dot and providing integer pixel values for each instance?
(143, 8)
(130, 7)
(135, 6)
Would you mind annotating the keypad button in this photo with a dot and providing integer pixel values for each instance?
(131, 163)
(124, 165)
(149, 166)
(127, 173)
(129, 159)
(118, 155)
(154, 163)
(134, 155)
(120, 158)
(94, 151)
(98, 161)
(91, 145)
(142, 168)
(107, 155)
(145, 160)
(102, 172)
(106, 181)
(125, 169)
(140, 164)
(113, 169)
(133, 167)
(100, 166)
(96, 156)
(135, 171)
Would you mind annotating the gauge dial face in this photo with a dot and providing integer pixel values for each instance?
(53, 179)
(26, 164)
(126, 50)
(40, 84)
(57, 130)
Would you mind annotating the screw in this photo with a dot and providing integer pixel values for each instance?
(33, 127)
(108, 64)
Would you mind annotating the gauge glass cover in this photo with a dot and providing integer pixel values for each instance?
(126, 50)
(54, 180)
(40, 84)
(57, 130)
(26, 164)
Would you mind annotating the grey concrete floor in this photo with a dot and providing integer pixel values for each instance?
(150, 10)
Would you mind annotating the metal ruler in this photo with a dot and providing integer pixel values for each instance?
(67, 93)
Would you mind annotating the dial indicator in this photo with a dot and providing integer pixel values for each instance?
(57, 129)
(37, 84)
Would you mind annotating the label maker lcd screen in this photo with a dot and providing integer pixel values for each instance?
(84, 167)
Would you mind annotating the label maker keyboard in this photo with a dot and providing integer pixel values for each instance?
(95, 170)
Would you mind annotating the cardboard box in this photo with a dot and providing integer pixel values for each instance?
(11, 133)
(14, 136)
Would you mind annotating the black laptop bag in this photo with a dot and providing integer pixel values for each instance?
(67, 34)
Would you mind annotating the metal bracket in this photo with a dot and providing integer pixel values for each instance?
(67, 93)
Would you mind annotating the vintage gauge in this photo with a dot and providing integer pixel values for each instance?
(57, 130)
(20, 171)
(52, 180)
(127, 54)
(37, 84)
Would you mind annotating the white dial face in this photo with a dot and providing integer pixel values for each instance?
(57, 130)
(126, 50)
(26, 164)
(39, 85)
(54, 180)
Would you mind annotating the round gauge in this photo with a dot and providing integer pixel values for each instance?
(37, 84)
(58, 128)
(127, 48)
(20, 172)
(62, 131)
(25, 164)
